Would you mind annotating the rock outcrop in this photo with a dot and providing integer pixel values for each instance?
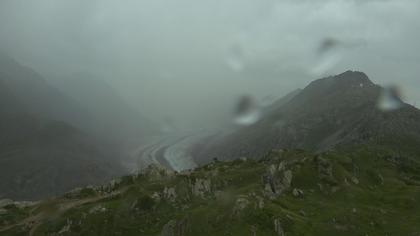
(201, 187)
(277, 180)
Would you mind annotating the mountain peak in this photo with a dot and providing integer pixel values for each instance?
(349, 82)
(357, 77)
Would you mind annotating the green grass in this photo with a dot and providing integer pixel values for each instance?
(383, 202)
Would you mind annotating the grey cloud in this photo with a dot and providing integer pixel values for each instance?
(171, 58)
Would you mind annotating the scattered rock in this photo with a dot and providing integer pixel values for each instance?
(241, 203)
(3, 211)
(156, 196)
(260, 202)
(346, 182)
(6, 202)
(287, 178)
(297, 192)
(169, 194)
(354, 180)
(66, 228)
(97, 209)
(175, 228)
(278, 228)
(253, 230)
(25, 204)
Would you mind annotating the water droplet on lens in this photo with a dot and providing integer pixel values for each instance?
(327, 56)
(247, 112)
(390, 99)
(327, 45)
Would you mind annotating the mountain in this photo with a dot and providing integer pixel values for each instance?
(325, 160)
(113, 117)
(39, 97)
(44, 158)
(365, 191)
(42, 152)
(334, 111)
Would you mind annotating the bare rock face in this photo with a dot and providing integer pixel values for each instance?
(277, 180)
(169, 194)
(175, 228)
(156, 171)
(329, 112)
(201, 187)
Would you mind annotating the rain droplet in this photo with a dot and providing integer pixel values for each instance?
(247, 112)
(327, 56)
(390, 99)
(327, 45)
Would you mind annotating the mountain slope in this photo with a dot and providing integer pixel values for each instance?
(366, 191)
(39, 155)
(38, 97)
(329, 112)
(113, 117)
(49, 158)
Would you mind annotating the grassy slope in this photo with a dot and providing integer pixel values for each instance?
(372, 191)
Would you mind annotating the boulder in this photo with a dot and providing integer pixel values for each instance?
(297, 192)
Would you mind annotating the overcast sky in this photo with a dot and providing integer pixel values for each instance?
(177, 57)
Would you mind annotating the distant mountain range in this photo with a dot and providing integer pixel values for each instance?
(360, 174)
(53, 141)
(331, 112)
(113, 117)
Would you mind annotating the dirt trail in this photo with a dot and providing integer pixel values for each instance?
(34, 221)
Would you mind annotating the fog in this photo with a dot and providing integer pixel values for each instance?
(189, 61)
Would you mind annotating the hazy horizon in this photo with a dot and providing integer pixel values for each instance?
(190, 61)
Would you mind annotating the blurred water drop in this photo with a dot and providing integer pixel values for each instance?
(235, 57)
(247, 112)
(327, 45)
(390, 99)
(328, 55)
